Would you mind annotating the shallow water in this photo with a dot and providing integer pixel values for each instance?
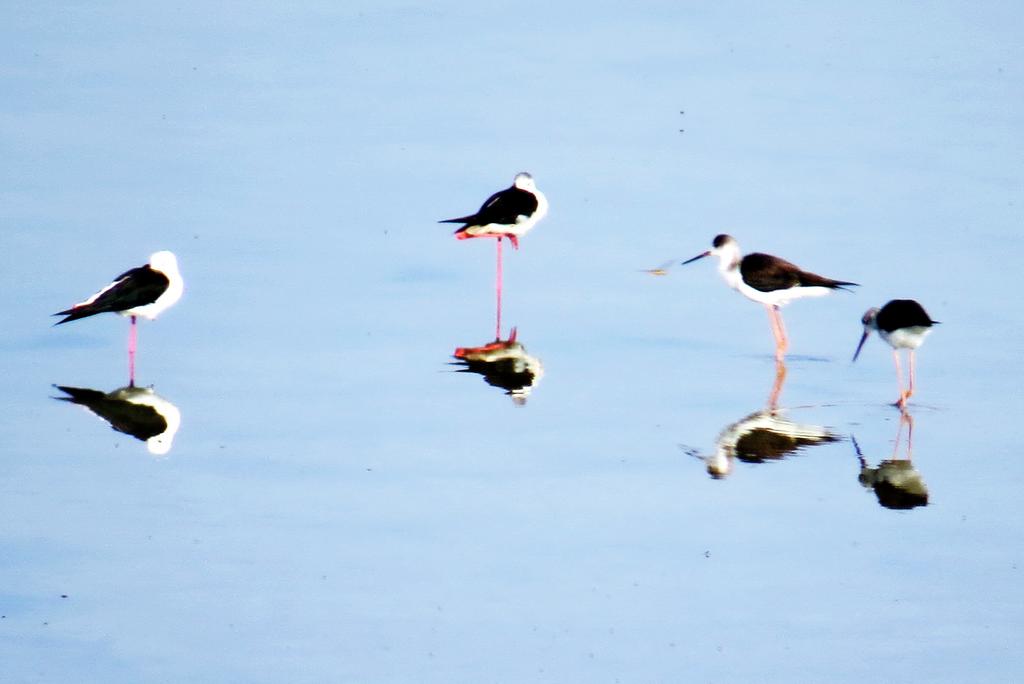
(341, 504)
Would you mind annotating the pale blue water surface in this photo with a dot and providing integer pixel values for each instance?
(339, 505)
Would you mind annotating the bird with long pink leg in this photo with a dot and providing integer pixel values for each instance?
(902, 324)
(768, 280)
(145, 291)
(508, 213)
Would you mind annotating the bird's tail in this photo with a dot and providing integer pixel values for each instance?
(73, 314)
(815, 280)
(79, 395)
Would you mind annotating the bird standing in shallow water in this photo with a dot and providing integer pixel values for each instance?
(768, 280)
(903, 324)
(145, 291)
(509, 213)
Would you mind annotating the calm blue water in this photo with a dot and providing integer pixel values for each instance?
(341, 505)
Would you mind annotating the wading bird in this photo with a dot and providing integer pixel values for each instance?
(509, 213)
(768, 280)
(903, 324)
(145, 291)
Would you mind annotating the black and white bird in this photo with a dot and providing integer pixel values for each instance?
(508, 213)
(136, 411)
(768, 280)
(145, 291)
(903, 324)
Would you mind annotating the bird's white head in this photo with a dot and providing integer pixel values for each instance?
(524, 181)
(725, 248)
(164, 261)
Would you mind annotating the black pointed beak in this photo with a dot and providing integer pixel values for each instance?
(863, 339)
(699, 256)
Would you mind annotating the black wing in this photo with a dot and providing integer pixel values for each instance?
(137, 287)
(902, 313)
(503, 207)
(768, 273)
(138, 420)
(507, 374)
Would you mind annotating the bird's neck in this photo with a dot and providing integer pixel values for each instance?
(729, 267)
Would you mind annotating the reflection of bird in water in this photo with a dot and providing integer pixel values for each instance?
(504, 364)
(145, 291)
(768, 280)
(903, 324)
(896, 483)
(765, 435)
(508, 213)
(136, 411)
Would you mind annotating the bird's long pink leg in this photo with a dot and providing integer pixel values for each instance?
(782, 333)
(779, 331)
(132, 344)
(910, 434)
(902, 401)
(780, 378)
(908, 420)
(910, 390)
(775, 328)
(497, 287)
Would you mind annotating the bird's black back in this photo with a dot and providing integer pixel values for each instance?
(902, 313)
(768, 273)
(503, 208)
(137, 287)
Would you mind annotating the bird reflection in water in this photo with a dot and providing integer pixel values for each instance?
(504, 364)
(896, 483)
(136, 411)
(765, 435)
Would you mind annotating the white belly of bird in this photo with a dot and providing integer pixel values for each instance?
(523, 222)
(905, 338)
(778, 297)
(519, 228)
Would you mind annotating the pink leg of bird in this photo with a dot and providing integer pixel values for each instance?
(497, 288)
(775, 328)
(132, 344)
(908, 420)
(778, 331)
(909, 434)
(910, 389)
(780, 378)
(902, 401)
(782, 334)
